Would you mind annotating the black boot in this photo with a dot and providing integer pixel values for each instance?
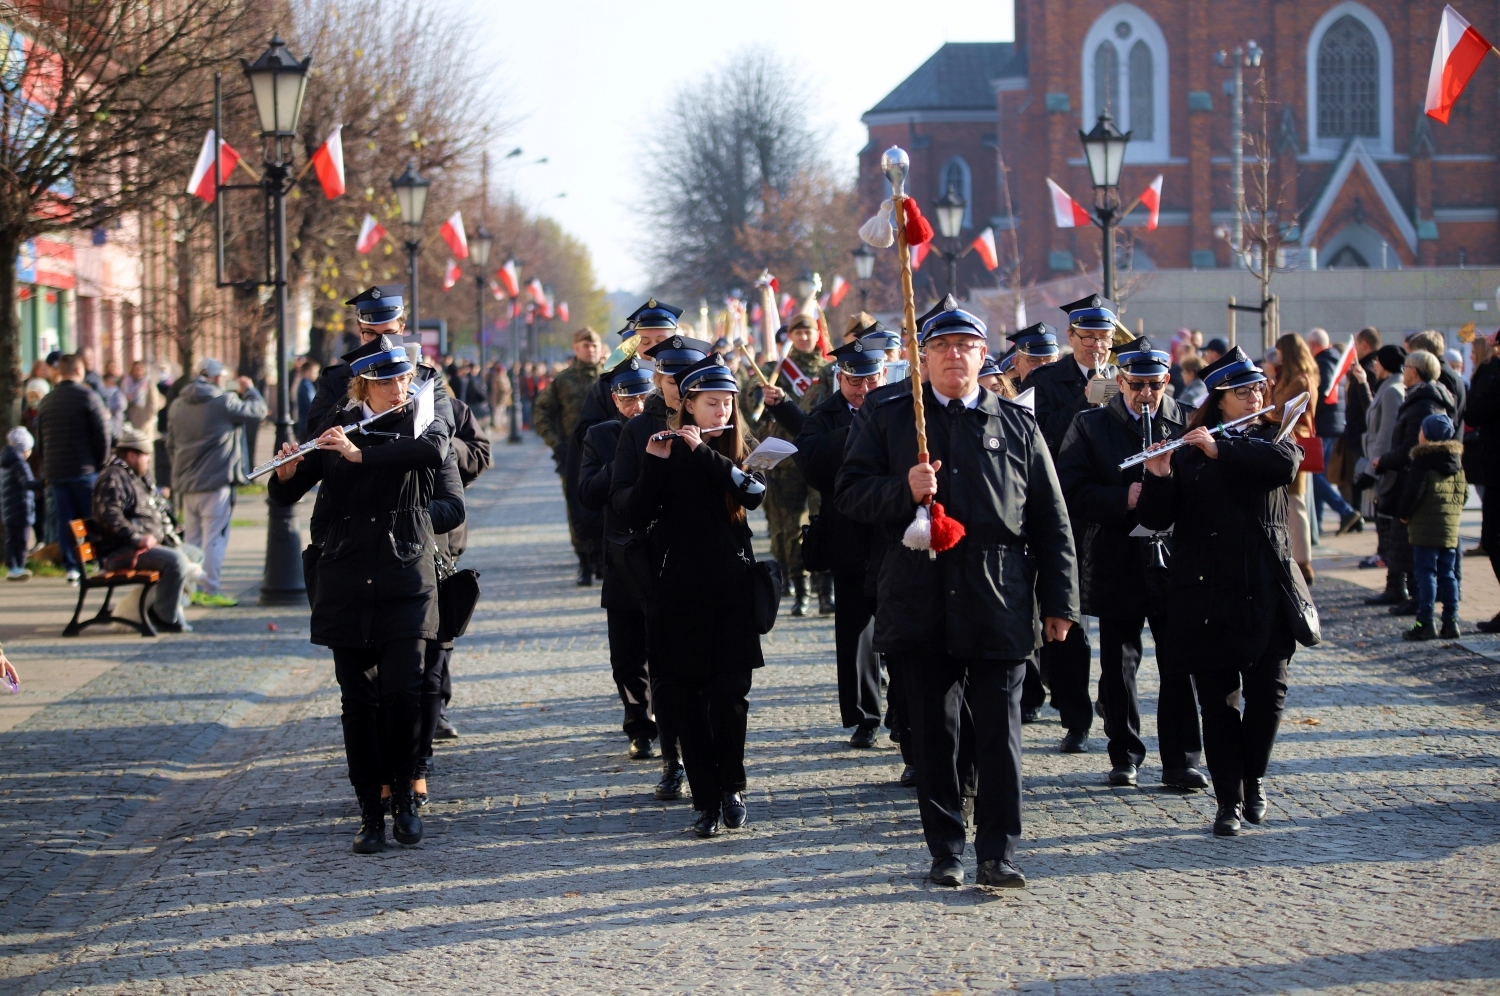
(407, 826)
(1395, 590)
(707, 822)
(825, 593)
(672, 775)
(585, 572)
(1255, 800)
(786, 580)
(799, 584)
(371, 836)
(1227, 820)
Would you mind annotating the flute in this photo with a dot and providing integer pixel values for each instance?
(361, 426)
(673, 433)
(1180, 442)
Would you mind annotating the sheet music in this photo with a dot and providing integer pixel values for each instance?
(422, 406)
(1027, 399)
(769, 453)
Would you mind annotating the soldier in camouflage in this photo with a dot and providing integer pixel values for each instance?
(554, 415)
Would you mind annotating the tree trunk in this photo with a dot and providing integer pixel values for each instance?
(11, 382)
(183, 300)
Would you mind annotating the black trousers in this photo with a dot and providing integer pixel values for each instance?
(711, 717)
(434, 678)
(859, 679)
(1066, 665)
(897, 715)
(937, 689)
(1239, 745)
(1033, 692)
(1176, 712)
(380, 689)
(627, 662)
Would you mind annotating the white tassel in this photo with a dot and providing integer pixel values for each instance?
(878, 231)
(919, 534)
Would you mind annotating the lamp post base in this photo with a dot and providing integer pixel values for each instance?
(283, 582)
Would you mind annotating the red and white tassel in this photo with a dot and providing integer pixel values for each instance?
(932, 530)
(918, 229)
(878, 231)
(918, 535)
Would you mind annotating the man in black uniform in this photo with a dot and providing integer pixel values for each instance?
(820, 453)
(961, 622)
(1122, 569)
(1062, 391)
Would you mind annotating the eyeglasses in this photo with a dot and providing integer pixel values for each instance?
(865, 379)
(1092, 340)
(962, 346)
(1145, 385)
(1244, 393)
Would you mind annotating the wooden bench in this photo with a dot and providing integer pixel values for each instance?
(109, 581)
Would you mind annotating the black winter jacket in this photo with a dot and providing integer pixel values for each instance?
(18, 488)
(1059, 396)
(997, 480)
(468, 457)
(630, 450)
(1230, 550)
(598, 406)
(878, 542)
(72, 432)
(1483, 413)
(1328, 420)
(596, 467)
(1112, 565)
(820, 454)
(1427, 398)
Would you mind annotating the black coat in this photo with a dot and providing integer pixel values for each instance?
(997, 480)
(1427, 398)
(598, 406)
(1483, 413)
(1112, 565)
(820, 454)
(72, 432)
(374, 529)
(1357, 399)
(469, 456)
(631, 450)
(698, 552)
(1328, 420)
(877, 542)
(1450, 379)
(1059, 396)
(1230, 552)
(18, 488)
(595, 469)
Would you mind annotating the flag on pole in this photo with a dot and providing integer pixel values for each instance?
(1067, 212)
(1459, 51)
(798, 381)
(562, 311)
(451, 274)
(838, 292)
(1345, 362)
(497, 290)
(1151, 197)
(919, 252)
(201, 184)
(509, 278)
(538, 295)
(329, 162)
(984, 244)
(548, 311)
(788, 305)
(370, 234)
(453, 234)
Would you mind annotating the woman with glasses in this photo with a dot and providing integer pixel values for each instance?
(1122, 570)
(1225, 497)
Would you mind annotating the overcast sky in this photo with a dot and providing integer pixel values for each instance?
(588, 79)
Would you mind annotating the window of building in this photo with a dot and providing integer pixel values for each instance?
(1125, 73)
(1142, 107)
(1107, 80)
(1349, 84)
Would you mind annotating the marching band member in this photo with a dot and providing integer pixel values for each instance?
(1230, 623)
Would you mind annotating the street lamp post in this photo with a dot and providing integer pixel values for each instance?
(515, 362)
(278, 82)
(411, 197)
(864, 269)
(479, 251)
(950, 214)
(1104, 147)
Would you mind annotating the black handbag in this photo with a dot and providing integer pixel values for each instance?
(458, 594)
(765, 592)
(817, 545)
(1306, 628)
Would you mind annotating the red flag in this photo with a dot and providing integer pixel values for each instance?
(1458, 52)
(984, 244)
(918, 254)
(497, 290)
(453, 234)
(562, 311)
(538, 295)
(795, 379)
(756, 314)
(201, 184)
(510, 278)
(370, 234)
(329, 162)
(840, 289)
(548, 311)
(1067, 212)
(1151, 197)
(452, 274)
(788, 305)
(1331, 396)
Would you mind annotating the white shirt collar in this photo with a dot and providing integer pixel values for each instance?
(369, 412)
(1086, 371)
(970, 400)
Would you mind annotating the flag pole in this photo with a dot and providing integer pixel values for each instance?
(897, 174)
(253, 175)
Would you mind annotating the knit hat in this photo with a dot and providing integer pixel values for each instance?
(1437, 428)
(20, 438)
(1391, 357)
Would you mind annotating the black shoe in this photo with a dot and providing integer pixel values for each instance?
(1186, 779)
(640, 749)
(1076, 742)
(1489, 625)
(825, 594)
(1351, 523)
(1393, 595)
(908, 777)
(733, 806)
(864, 736)
(444, 730)
(670, 786)
(1122, 775)
(1449, 630)
(371, 836)
(1406, 608)
(1255, 800)
(585, 573)
(707, 823)
(1099, 708)
(407, 826)
(166, 627)
(803, 603)
(999, 875)
(967, 808)
(1032, 715)
(1227, 820)
(1420, 631)
(947, 871)
(786, 580)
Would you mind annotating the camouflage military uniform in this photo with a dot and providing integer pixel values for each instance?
(554, 415)
(789, 501)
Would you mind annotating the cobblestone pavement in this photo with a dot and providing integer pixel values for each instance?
(181, 824)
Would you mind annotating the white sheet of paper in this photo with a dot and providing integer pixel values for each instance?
(424, 415)
(769, 453)
(1027, 398)
(1143, 531)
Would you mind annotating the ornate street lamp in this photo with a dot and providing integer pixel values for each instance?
(1104, 148)
(479, 252)
(411, 198)
(950, 215)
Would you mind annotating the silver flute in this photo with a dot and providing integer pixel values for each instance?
(1180, 441)
(360, 426)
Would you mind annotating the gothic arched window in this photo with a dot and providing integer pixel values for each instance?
(1107, 80)
(1348, 81)
(1142, 84)
(1124, 69)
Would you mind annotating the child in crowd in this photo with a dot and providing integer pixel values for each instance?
(1432, 500)
(18, 487)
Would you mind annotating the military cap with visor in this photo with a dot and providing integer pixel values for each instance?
(631, 378)
(859, 358)
(651, 315)
(1035, 340)
(1233, 369)
(950, 319)
(379, 305)
(1089, 313)
(383, 365)
(990, 367)
(708, 374)
(678, 353)
(1140, 358)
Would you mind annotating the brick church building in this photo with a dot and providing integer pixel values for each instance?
(1368, 179)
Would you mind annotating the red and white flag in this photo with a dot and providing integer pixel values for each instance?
(1346, 361)
(838, 292)
(1459, 51)
(795, 379)
(562, 311)
(329, 162)
(788, 305)
(538, 294)
(918, 254)
(370, 234)
(497, 290)
(451, 274)
(549, 310)
(1065, 210)
(201, 184)
(510, 278)
(984, 244)
(453, 234)
(1151, 197)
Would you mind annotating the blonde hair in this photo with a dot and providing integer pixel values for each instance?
(359, 387)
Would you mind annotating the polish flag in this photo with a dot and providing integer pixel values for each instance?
(451, 274)
(1151, 197)
(1459, 51)
(329, 162)
(984, 244)
(201, 184)
(453, 234)
(497, 290)
(509, 278)
(838, 292)
(788, 305)
(1345, 362)
(562, 311)
(370, 234)
(538, 295)
(918, 254)
(1068, 212)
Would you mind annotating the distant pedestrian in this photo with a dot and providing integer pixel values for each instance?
(203, 441)
(307, 390)
(142, 399)
(1193, 393)
(72, 433)
(1432, 502)
(18, 487)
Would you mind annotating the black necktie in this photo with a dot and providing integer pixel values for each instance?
(1088, 375)
(956, 407)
